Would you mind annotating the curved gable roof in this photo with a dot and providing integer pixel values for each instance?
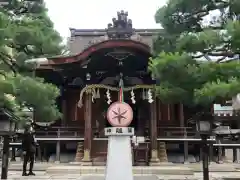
(126, 43)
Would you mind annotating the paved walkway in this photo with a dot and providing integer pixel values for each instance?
(218, 172)
(196, 167)
(16, 175)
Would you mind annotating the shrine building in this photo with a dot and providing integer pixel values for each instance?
(89, 83)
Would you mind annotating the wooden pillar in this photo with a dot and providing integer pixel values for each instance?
(168, 112)
(223, 152)
(58, 152)
(200, 153)
(88, 130)
(219, 155)
(162, 152)
(153, 134)
(58, 148)
(236, 151)
(45, 158)
(39, 152)
(211, 156)
(236, 154)
(13, 158)
(182, 125)
(64, 111)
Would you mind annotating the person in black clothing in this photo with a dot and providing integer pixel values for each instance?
(29, 149)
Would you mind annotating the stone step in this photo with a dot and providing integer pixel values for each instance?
(81, 170)
(213, 167)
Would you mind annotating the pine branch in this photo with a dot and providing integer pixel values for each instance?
(9, 64)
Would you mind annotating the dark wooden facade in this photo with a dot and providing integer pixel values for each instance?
(96, 68)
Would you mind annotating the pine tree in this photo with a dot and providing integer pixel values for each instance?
(27, 32)
(197, 55)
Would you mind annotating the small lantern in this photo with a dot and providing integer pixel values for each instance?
(7, 128)
(204, 127)
(28, 113)
(28, 116)
(204, 123)
(88, 77)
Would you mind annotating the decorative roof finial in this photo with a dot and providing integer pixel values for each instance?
(121, 27)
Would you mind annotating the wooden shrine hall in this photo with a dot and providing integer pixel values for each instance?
(89, 83)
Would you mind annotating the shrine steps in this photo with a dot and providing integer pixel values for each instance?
(160, 170)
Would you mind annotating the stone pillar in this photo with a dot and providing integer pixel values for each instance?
(153, 134)
(87, 161)
(162, 152)
(79, 153)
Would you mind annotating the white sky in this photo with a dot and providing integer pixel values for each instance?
(87, 14)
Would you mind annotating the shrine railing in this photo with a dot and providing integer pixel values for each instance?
(177, 132)
(75, 132)
(57, 132)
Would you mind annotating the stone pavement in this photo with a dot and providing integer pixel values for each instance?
(38, 166)
(16, 175)
(167, 172)
(196, 167)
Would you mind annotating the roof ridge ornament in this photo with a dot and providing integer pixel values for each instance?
(121, 27)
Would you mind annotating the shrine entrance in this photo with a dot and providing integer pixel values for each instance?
(107, 69)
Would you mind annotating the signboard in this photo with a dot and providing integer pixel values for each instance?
(124, 131)
(120, 114)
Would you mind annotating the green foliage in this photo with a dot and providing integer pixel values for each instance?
(190, 62)
(183, 79)
(27, 32)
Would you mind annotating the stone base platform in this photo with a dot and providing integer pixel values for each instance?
(81, 170)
